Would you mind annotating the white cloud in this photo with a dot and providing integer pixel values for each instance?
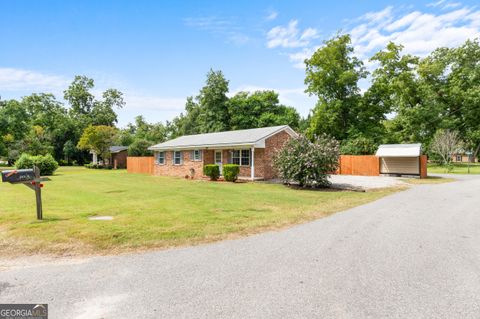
(272, 15)
(290, 36)
(443, 4)
(404, 21)
(12, 79)
(381, 16)
(298, 58)
(222, 27)
(418, 32)
(154, 103)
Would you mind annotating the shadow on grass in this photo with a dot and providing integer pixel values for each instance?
(49, 219)
(115, 191)
(318, 189)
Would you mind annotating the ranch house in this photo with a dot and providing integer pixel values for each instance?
(252, 149)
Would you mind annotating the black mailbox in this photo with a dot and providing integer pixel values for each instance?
(18, 176)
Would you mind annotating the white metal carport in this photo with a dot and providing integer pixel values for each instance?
(399, 159)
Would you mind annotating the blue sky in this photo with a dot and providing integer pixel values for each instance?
(158, 52)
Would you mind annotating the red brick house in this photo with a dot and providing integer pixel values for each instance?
(252, 149)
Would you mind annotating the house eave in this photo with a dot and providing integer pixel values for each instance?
(206, 146)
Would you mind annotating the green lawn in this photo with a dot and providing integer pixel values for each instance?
(458, 168)
(151, 211)
(428, 180)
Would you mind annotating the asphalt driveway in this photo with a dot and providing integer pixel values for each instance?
(415, 254)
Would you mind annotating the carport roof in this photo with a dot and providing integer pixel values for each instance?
(399, 150)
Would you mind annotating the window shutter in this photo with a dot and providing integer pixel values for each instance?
(173, 157)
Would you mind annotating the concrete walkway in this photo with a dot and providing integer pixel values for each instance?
(415, 254)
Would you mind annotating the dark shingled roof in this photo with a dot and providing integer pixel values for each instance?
(118, 148)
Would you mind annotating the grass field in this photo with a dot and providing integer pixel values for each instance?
(151, 211)
(428, 180)
(458, 168)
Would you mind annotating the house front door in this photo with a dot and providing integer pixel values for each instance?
(219, 160)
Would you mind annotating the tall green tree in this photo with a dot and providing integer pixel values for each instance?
(98, 139)
(190, 122)
(87, 110)
(456, 85)
(260, 109)
(14, 126)
(46, 112)
(332, 74)
(213, 103)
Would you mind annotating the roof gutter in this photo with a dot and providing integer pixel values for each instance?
(201, 146)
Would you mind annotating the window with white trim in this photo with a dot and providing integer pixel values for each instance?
(241, 157)
(177, 158)
(161, 158)
(196, 155)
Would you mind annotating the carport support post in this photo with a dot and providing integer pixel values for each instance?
(252, 166)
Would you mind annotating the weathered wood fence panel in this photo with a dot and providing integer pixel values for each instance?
(365, 165)
(142, 165)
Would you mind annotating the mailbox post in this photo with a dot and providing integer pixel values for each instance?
(30, 178)
(37, 187)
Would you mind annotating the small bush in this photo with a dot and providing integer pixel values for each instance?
(46, 163)
(212, 171)
(63, 162)
(306, 163)
(230, 172)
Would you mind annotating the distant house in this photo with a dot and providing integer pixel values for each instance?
(118, 157)
(252, 149)
(461, 157)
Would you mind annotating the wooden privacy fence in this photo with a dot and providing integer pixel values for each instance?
(365, 165)
(142, 165)
(369, 165)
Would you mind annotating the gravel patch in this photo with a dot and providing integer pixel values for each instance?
(364, 182)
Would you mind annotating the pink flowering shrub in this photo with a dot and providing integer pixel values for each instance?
(307, 164)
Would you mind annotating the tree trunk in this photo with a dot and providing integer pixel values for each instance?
(472, 159)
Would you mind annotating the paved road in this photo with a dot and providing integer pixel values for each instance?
(415, 254)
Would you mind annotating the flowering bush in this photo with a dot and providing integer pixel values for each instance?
(306, 163)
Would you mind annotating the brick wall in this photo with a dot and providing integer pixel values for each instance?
(272, 145)
(169, 169)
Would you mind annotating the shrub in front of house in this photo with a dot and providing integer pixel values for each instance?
(307, 163)
(230, 172)
(46, 163)
(212, 171)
